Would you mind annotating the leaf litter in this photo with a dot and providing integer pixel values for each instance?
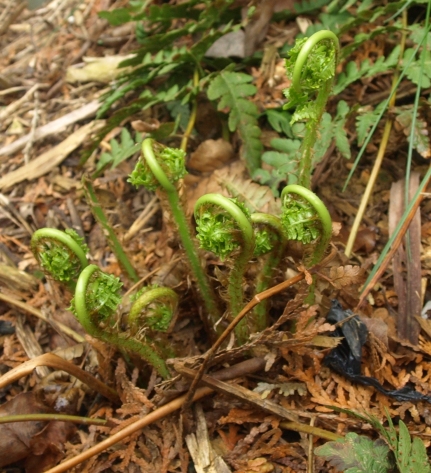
(47, 191)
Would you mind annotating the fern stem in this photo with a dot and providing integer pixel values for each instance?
(193, 114)
(306, 150)
(184, 231)
(50, 417)
(100, 327)
(264, 278)
(113, 241)
(243, 235)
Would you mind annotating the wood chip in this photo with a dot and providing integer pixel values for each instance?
(52, 128)
(52, 158)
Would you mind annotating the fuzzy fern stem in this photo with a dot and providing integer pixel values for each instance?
(154, 175)
(224, 229)
(62, 255)
(96, 300)
(271, 231)
(113, 241)
(311, 67)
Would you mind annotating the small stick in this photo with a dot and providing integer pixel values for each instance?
(51, 417)
(54, 361)
(396, 243)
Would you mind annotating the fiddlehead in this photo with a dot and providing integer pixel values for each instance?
(154, 308)
(161, 168)
(311, 67)
(270, 242)
(151, 317)
(305, 218)
(62, 255)
(224, 228)
(97, 297)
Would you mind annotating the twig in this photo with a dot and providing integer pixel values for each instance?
(151, 208)
(51, 158)
(54, 361)
(35, 119)
(14, 106)
(395, 241)
(51, 417)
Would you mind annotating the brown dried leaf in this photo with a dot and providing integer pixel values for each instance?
(346, 275)
(377, 327)
(242, 416)
(256, 198)
(38, 442)
(211, 155)
(259, 465)
(147, 126)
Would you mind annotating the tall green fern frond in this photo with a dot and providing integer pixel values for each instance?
(120, 150)
(353, 73)
(232, 89)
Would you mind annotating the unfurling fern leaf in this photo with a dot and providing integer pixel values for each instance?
(233, 88)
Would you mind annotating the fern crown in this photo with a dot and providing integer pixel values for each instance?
(171, 161)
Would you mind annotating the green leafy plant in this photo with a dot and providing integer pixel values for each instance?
(223, 227)
(95, 305)
(359, 454)
(162, 168)
(311, 67)
(306, 219)
(120, 150)
(97, 298)
(233, 89)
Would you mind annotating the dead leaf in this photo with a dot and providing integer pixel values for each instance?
(38, 442)
(255, 197)
(336, 228)
(346, 275)
(204, 457)
(211, 155)
(97, 69)
(229, 45)
(377, 327)
(259, 465)
(147, 126)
